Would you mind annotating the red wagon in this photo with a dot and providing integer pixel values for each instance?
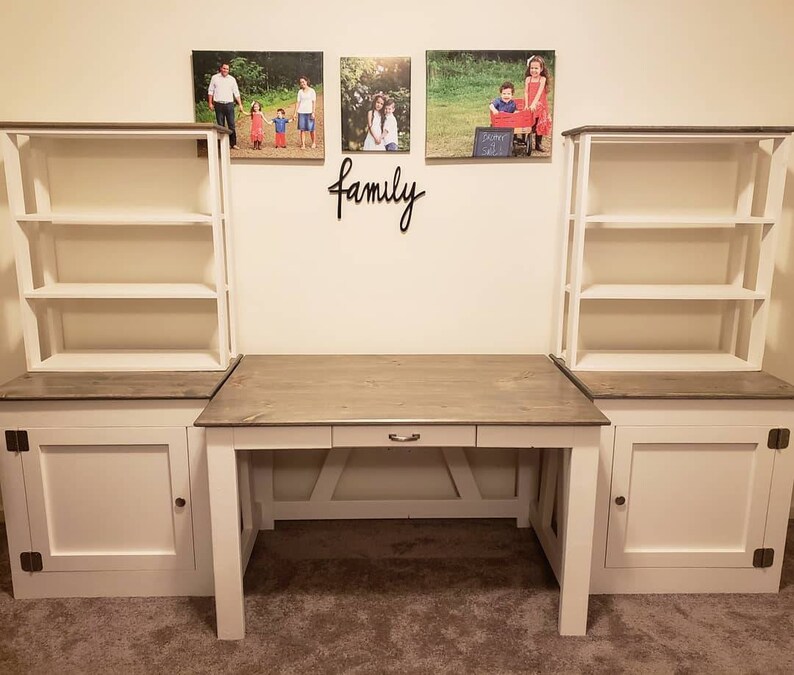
(523, 123)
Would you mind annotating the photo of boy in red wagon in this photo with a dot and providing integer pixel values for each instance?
(529, 116)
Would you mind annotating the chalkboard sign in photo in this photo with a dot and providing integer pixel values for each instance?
(492, 142)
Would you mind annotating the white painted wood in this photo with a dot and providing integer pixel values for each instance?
(130, 477)
(742, 335)
(666, 219)
(46, 245)
(331, 471)
(12, 166)
(686, 580)
(576, 261)
(228, 253)
(12, 483)
(123, 360)
(382, 436)
(114, 218)
(27, 235)
(516, 436)
(250, 510)
(397, 508)
(218, 242)
(527, 482)
(641, 360)
(548, 487)
(462, 476)
(122, 291)
(669, 292)
(675, 513)
(567, 196)
(263, 487)
(683, 138)
(773, 205)
(577, 533)
(226, 540)
(202, 583)
(282, 438)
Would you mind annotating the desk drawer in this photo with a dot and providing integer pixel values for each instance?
(281, 438)
(405, 436)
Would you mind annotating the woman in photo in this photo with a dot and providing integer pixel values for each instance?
(375, 121)
(304, 111)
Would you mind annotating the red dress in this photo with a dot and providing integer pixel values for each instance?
(257, 127)
(542, 114)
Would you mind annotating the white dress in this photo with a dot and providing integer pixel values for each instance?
(369, 141)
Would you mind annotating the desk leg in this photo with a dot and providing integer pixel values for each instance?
(577, 531)
(225, 520)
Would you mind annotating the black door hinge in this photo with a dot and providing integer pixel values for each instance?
(17, 441)
(778, 439)
(763, 557)
(31, 561)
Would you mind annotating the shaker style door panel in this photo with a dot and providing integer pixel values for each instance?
(688, 496)
(109, 498)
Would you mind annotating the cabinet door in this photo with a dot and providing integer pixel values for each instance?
(109, 498)
(691, 496)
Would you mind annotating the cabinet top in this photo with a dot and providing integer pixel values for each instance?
(112, 126)
(114, 385)
(597, 129)
(739, 385)
(399, 389)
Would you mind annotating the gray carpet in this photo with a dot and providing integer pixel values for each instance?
(400, 597)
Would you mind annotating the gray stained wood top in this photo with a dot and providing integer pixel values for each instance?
(415, 389)
(679, 385)
(596, 129)
(114, 126)
(114, 386)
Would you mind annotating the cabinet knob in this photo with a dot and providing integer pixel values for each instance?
(620, 501)
(180, 502)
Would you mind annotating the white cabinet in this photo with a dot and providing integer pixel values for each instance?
(121, 240)
(695, 478)
(670, 246)
(104, 483)
(108, 498)
(689, 496)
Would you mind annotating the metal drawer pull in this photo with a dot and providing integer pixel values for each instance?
(403, 439)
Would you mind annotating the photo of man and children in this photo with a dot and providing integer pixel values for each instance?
(497, 89)
(376, 104)
(272, 102)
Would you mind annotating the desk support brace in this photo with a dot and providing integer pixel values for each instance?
(225, 522)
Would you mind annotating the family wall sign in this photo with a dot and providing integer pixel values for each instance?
(373, 191)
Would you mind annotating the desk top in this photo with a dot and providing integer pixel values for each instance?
(415, 389)
(752, 385)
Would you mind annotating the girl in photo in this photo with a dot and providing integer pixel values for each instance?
(374, 138)
(390, 138)
(258, 120)
(536, 85)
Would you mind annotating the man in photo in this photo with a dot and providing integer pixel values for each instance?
(221, 95)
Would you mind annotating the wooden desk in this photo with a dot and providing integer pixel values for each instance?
(294, 402)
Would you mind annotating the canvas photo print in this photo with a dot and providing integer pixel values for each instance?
(272, 101)
(490, 104)
(376, 104)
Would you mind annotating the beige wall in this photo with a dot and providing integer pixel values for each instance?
(477, 271)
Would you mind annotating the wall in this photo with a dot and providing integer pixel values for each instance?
(477, 270)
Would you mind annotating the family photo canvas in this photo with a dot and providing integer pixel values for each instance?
(506, 90)
(272, 102)
(376, 104)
